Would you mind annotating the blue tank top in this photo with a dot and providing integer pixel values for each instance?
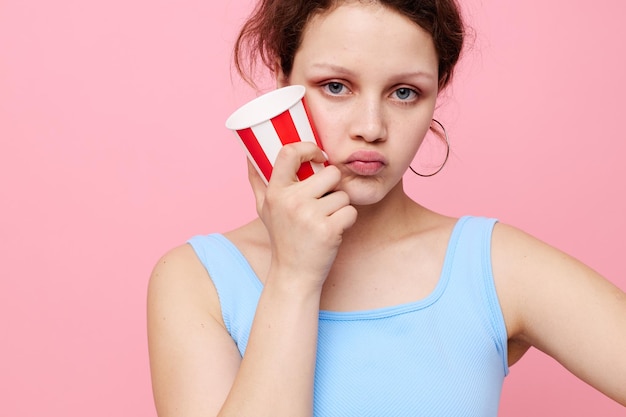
(444, 355)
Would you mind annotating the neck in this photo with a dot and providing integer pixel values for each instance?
(393, 217)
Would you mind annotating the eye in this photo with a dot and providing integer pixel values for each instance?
(405, 94)
(334, 88)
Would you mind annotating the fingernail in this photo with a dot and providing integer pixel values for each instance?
(325, 155)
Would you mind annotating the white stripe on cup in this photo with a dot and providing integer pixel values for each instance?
(268, 139)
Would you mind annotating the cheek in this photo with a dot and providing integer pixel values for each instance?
(326, 124)
(411, 130)
(420, 133)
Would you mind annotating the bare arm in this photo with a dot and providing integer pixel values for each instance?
(563, 308)
(197, 371)
(193, 359)
(196, 367)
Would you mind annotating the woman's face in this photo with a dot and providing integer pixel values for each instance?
(371, 79)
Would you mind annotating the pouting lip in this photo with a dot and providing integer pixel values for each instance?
(366, 156)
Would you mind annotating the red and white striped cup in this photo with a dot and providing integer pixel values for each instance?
(270, 121)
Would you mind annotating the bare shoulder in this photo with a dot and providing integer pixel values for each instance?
(563, 307)
(176, 261)
(180, 278)
(514, 254)
(527, 270)
(186, 333)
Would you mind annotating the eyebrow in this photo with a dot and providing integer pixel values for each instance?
(342, 70)
(332, 67)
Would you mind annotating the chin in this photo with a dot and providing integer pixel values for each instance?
(368, 191)
(364, 195)
(363, 202)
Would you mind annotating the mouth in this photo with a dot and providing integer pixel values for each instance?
(365, 163)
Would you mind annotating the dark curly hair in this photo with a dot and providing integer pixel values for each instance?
(273, 32)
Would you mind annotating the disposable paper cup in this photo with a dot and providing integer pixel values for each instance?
(270, 121)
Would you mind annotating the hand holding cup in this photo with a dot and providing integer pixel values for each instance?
(305, 219)
(267, 123)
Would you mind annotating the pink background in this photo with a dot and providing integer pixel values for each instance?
(113, 150)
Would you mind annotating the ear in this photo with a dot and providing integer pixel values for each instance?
(281, 79)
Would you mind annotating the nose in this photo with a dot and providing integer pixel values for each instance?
(368, 121)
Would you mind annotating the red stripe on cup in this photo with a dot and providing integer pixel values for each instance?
(287, 132)
(252, 144)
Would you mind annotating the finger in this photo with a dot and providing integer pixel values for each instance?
(257, 184)
(344, 218)
(324, 182)
(291, 157)
(333, 202)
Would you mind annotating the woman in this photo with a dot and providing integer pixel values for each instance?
(345, 296)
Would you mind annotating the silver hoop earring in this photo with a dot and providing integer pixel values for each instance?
(445, 134)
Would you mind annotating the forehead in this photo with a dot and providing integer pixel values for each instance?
(367, 33)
